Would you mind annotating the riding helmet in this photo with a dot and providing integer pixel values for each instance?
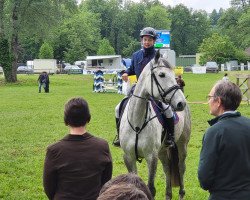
(148, 31)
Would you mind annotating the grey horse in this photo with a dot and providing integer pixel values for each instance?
(141, 131)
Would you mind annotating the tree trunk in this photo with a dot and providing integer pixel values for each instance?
(14, 44)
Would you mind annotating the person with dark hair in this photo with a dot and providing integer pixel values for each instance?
(79, 165)
(41, 82)
(224, 166)
(47, 82)
(180, 82)
(122, 191)
(225, 77)
(130, 178)
(139, 60)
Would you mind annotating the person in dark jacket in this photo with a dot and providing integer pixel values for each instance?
(224, 166)
(47, 82)
(79, 165)
(139, 60)
(41, 81)
(180, 82)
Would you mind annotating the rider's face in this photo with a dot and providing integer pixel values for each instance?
(147, 41)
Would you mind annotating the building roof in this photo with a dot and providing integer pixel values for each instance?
(102, 57)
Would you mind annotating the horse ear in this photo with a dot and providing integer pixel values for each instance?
(157, 55)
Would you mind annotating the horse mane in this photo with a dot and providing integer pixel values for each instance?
(159, 57)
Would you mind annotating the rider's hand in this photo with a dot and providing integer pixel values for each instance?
(125, 77)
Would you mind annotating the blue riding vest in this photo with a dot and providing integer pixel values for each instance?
(139, 60)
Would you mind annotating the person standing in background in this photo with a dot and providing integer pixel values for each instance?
(41, 81)
(180, 82)
(47, 82)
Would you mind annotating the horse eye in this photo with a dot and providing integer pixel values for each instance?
(162, 75)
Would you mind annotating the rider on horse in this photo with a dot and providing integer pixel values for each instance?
(139, 60)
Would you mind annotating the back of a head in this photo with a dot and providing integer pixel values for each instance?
(76, 112)
(130, 178)
(229, 93)
(123, 191)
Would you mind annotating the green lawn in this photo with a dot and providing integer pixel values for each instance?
(30, 121)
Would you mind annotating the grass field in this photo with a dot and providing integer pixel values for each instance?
(30, 121)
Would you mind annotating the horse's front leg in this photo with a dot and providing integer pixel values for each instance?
(152, 167)
(166, 167)
(130, 163)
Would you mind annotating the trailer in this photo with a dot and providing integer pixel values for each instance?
(44, 65)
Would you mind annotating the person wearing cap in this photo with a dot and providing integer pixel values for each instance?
(139, 60)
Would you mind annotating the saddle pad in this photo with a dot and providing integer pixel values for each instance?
(162, 118)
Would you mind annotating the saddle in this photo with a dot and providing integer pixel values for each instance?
(157, 106)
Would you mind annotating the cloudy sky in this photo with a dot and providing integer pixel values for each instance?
(207, 5)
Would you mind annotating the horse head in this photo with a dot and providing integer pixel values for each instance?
(161, 84)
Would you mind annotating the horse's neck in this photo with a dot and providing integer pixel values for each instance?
(138, 105)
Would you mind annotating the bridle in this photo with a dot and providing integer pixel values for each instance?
(163, 94)
(161, 91)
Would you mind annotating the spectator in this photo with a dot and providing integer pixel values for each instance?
(41, 81)
(225, 77)
(122, 191)
(129, 178)
(46, 75)
(79, 165)
(224, 166)
(180, 82)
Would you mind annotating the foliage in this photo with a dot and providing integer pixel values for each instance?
(105, 48)
(215, 16)
(187, 29)
(157, 17)
(31, 122)
(46, 51)
(79, 36)
(5, 58)
(217, 48)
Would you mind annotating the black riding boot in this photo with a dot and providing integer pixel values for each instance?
(116, 141)
(169, 138)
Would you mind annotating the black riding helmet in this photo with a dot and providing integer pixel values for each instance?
(148, 31)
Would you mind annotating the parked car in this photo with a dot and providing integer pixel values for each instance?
(72, 69)
(25, 70)
(212, 67)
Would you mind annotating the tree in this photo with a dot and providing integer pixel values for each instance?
(187, 29)
(240, 3)
(46, 51)
(18, 16)
(78, 36)
(105, 48)
(217, 48)
(157, 17)
(228, 25)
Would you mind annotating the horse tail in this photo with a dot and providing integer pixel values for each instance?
(174, 167)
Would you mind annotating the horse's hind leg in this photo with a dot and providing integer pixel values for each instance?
(130, 163)
(152, 167)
